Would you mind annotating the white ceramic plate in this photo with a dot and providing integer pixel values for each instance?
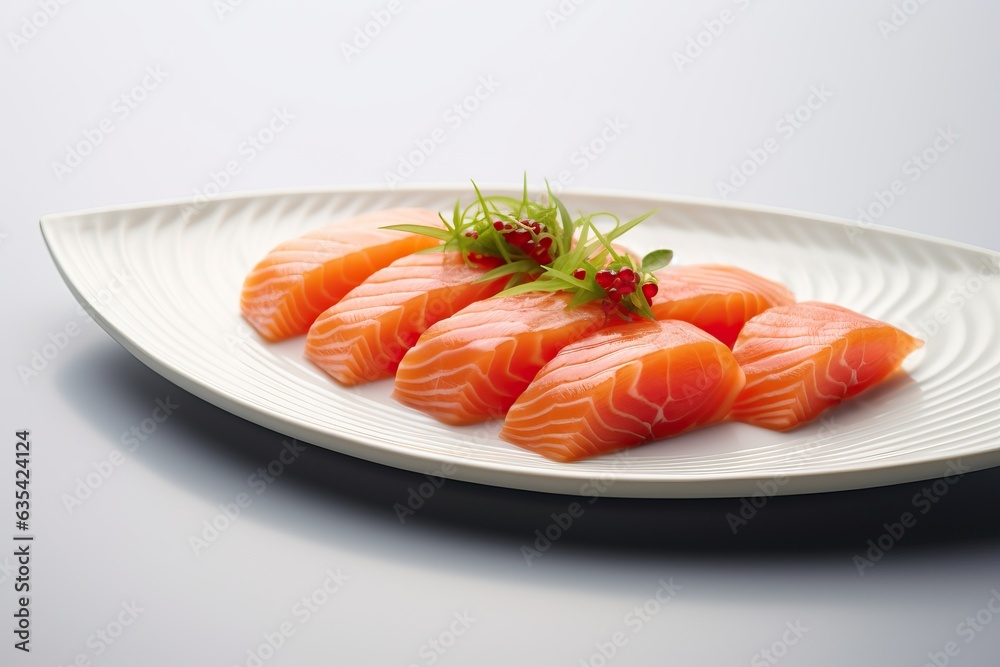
(183, 263)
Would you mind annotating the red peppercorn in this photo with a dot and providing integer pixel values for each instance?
(649, 290)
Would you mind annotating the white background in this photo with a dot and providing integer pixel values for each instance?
(557, 82)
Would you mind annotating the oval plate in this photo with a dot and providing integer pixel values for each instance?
(164, 280)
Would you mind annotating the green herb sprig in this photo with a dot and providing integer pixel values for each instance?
(594, 270)
(544, 249)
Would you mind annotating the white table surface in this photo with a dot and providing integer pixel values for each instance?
(198, 80)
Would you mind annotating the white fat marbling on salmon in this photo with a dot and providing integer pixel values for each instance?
(802, 359)
(622, 386)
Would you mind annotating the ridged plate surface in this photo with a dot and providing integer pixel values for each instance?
(178, 312)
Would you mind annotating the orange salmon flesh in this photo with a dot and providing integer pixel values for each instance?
(622, 386)
(299, 279)
(364, 336)
(471, 366)
(800, 360)
(716, 299)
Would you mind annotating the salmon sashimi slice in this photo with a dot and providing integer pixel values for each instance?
(301, 278)
(363, 337)
(716, 299)
(471, 367)
(624, 385)
(800, 360)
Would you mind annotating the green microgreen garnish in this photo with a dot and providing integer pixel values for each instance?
(524, 234)
(541, 240)
(596, 271)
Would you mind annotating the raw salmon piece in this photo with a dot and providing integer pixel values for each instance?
(623, 385)
(471, 366)
(301, 278)
(802, 359)
(363, 337)
(716, 299)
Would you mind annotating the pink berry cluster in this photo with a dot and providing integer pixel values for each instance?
(524, 235)
(619, 283)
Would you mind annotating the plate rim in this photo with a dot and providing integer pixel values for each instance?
(501, 474)
(50, 218)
